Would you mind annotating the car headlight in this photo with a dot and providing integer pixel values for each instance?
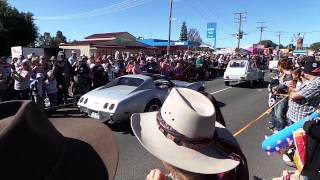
(111, 106)
(105, 106)
(81, 99)
(85, 101)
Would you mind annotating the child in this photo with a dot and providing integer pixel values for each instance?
(51, 89)
(297, 80)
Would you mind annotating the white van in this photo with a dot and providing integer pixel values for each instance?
(242, 70)
(273, 64)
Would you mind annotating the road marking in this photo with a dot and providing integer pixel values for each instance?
(221, 90)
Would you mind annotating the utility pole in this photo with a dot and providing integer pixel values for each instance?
(170, 20)
(239, 19)
(279, 42)
(261, 29)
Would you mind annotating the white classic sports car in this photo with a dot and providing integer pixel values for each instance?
(129, 94)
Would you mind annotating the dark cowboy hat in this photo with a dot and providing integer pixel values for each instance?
(311, 66)
(33, 147)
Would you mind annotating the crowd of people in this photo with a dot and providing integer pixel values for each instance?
(188, 150)
(59, 78)
(295, 94)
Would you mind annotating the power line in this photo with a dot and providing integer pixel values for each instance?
(205, 5)
(124, 5)
(200, 13)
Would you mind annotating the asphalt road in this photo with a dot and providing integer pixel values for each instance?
(240, 105)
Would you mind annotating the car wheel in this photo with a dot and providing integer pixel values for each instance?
(153, 105)
(227, 83)
(201, 89)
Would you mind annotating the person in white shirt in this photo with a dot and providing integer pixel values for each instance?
(73, 58)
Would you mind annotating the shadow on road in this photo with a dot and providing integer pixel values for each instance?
(73, 112)
(257, 178)
(69, 112)
(246, 85)
(220, 104)
(122, 127)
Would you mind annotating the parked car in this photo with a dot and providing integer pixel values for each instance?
(129, 94)
(243, 70)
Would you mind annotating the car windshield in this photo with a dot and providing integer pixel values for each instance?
(129, 81)
(238, 64)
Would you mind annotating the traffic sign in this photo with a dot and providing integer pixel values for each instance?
(211, 30)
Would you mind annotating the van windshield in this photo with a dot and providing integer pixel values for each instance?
(238, 64)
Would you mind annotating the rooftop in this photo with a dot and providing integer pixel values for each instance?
(106, 35)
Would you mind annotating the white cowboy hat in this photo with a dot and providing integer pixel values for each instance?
(186, 116)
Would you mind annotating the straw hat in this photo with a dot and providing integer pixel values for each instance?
(183, 133)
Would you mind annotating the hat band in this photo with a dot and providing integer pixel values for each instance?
(180, 139)
(224, 147)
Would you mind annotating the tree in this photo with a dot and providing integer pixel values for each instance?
(269, 43)
(315, 46)
(60, 38)
(16, 29)
(46, 41)
(194, 35)
(291, 46)
(184, 32)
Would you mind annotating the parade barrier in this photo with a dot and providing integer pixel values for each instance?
(281, 139)
(268, 111)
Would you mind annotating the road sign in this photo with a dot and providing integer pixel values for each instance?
(211, 30)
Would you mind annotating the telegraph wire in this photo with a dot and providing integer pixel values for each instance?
(124, 5)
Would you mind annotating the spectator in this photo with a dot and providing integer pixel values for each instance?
(99, 74)
(3, 78)
(285, 77)
(38, 148)
(306, 99)
(73, 60)
(91, 62)
(311, 168)
(63, 82)
(189, 150)
(129, 67)
(51, 89)
(178, 71)
(21, 80)
(297, 80)
(166, 68)
(83, 80)
(53, 60)
(111, 75)
(136, 68)
(37, 91)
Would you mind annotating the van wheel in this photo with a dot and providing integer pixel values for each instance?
(153, 105)
(251, 84)
(261, 81)
(227, 83)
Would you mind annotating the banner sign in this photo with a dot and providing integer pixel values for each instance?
(211, 30)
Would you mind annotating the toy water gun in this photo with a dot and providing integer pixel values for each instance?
(281, 139)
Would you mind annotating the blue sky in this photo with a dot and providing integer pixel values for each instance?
(149, 18)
